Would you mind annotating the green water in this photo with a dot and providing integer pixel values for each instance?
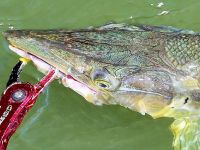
(61, 119)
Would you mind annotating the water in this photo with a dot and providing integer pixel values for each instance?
(61, 119)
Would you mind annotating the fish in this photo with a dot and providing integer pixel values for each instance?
(153, 70)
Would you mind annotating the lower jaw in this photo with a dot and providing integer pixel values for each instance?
(67, 79)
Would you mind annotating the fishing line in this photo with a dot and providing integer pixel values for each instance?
(36, 115)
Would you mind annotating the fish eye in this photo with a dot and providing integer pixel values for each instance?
(104, 80)
(102, 84)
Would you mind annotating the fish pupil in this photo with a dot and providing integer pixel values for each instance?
(102, 85)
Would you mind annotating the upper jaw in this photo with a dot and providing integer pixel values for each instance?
(67, 79)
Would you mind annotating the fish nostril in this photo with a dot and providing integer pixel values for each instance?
(186, 100)
(11, 33)
(5, 34)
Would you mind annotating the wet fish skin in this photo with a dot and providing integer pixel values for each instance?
(149, 69)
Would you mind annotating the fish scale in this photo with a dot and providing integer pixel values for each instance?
(183, 49)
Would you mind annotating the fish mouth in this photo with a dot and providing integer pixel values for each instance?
(67, 79)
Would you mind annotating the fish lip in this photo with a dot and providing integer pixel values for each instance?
(63, 75)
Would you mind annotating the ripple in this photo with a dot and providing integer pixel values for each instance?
(160, 4)
(165, 12)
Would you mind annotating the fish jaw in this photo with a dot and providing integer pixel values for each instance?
(67, 79)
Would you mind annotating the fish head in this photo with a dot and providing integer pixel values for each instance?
(99, 64)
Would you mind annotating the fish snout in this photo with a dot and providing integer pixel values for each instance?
(14, 33)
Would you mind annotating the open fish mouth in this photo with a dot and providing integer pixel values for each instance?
(67, 79)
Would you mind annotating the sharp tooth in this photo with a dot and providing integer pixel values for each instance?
(60, 75)
(64, 81)
(41, 65)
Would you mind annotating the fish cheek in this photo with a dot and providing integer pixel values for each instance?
(141, 102)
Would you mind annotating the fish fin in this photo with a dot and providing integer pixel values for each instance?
(121, 26)
(159, 28)
(186, 134)
(124, 26)
(166, 29)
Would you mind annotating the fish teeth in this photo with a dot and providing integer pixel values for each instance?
(41, 65)
(64, 82)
